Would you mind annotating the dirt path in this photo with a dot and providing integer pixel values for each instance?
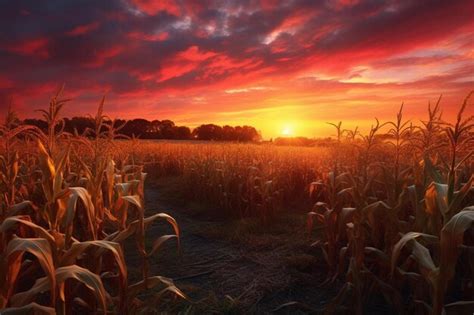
(223, 276)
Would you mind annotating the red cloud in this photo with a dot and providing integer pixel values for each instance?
(152, 7)
(83, 29)
(161, 36)
(33, 47)
(5, 83)
(103, 55)
(176, 69)
(193, 53)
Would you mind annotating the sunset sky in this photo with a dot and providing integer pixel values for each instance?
(285, 67)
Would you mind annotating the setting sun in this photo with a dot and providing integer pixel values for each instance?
(287, 131)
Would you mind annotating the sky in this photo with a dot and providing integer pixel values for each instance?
(285, 67)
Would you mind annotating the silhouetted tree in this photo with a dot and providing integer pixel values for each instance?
(226, 133)
(156, 129)
(153, 130)
(182, 133)
(167, 129)
(41, 124)
(208, 132)
(137, 127)
(79, 124)
(249, 133)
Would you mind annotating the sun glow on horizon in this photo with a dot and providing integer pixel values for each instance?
(287, 131)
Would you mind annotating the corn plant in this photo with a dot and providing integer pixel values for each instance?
(388, 209)
(69, 236)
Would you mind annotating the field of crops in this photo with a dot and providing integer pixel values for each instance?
(66, 209)
(240, 180)
(393, 210)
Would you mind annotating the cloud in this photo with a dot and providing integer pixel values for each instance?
(249, 89)
(150, 49)
(83, 29)
(152, 7)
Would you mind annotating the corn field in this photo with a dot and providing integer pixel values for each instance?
(66, 209)
(393, 209)
(240, 180)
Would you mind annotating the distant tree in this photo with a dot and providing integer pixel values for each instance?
(79, 124)
(182, 133)
(137, 127)
(41, 124)
(208, 132)
(249, 133)
(167, 129)
(228, 133)
(153, 130)
(156, 129)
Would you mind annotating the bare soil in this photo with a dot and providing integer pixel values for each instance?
(237, 267)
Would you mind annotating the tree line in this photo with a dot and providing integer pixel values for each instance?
(159, 129)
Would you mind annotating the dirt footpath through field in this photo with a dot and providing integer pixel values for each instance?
(224, 272)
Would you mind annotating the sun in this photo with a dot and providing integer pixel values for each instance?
(287, 131)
